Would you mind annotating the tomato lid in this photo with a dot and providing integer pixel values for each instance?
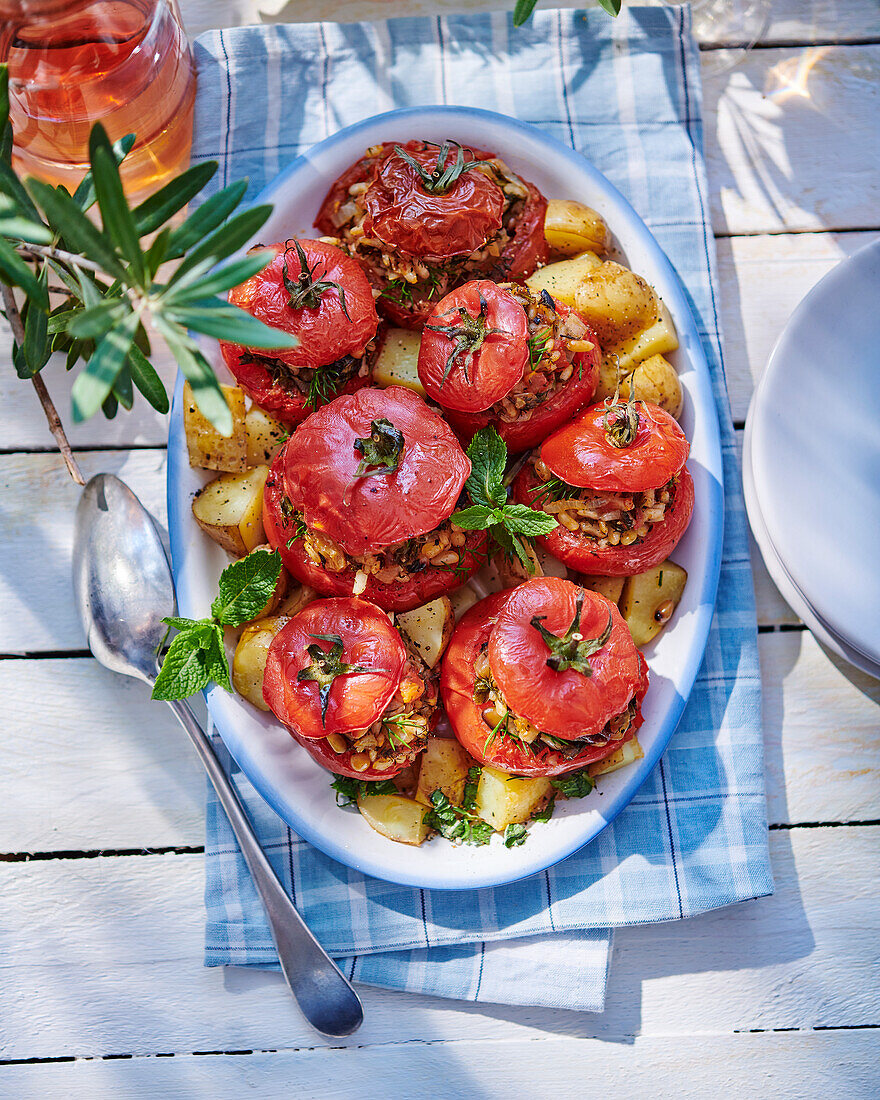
(328, 327)
(405, 215)
(583, 454)
(373, 468)
(537, 683)
(334, 667)
(474, 347)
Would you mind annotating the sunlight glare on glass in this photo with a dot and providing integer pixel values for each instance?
(789, 78)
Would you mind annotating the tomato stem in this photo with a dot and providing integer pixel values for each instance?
(326, 665)
(468, 336)
(571, 650)
(307, 289)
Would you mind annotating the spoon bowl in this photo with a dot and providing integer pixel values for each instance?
(121, 578)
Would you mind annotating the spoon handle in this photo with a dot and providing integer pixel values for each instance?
(326, 997)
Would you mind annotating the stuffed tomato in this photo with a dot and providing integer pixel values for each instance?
(424, 218)
(507, 357)
(360, 498)
(320, 295)
(543, 679)
(616, 480)
(340, 677)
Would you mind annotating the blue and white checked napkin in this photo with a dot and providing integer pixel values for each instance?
(626, 93)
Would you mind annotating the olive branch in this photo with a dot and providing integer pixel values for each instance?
(92, 288)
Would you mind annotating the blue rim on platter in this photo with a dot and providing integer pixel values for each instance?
(522, 862)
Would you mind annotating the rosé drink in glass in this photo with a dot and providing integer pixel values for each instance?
(124, 63)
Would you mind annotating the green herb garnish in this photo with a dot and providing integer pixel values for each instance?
(514, 835)
(349, 789)
(574, 784)
(546, 812)
(196, 655)
(490, 511)
(455, 822)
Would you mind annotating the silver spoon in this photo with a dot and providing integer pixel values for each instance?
(123, 588)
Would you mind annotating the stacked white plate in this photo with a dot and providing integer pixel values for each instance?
(811, 461)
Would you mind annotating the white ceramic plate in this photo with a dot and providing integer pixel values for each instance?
(286, 776)
(813, 437)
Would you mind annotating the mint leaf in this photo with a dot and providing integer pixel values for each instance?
(245, 587)
(455, 823)
(546, 812)
(574, 785)
(216, 662)
(185, 669)
(488, 455)
(349, 789)
(475, 518)
(526, 521)
(514, 835)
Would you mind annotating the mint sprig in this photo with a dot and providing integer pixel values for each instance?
(507, 523)
(573, 784)
(456, 823)
(197, 655)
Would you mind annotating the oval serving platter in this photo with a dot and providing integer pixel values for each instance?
(295, 786)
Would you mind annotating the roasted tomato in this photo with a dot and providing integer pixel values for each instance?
(339, 677)
(424, 218)
(475, 347)
(322, 296)
(622, 507)
(543, 679)
(359, 501)
(551, 370)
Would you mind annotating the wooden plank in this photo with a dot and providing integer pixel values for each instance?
(103, 956)
(36, 538)
(763, 278)
(799, 1066)
(96, 766)
(88, 762)
(788, 20)
(792, 140)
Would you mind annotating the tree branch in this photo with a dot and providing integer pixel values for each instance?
(54, 420)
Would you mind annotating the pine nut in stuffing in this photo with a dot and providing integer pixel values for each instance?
(337, 742)
(360, 761)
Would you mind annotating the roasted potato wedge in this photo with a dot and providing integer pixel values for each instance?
(296, 599)
(503, 800)
(563, 279)
(444, 767)
(230, 510)
(397, 363)
(616, 302)
(609, 587)
(649, 600)
(392, 815)
(658, 338)
(264, 436)
(570, 228)
(208, 449)
(429, 628)
(628, 753)
(249, 660)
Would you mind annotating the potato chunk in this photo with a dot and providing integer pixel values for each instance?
(249, 660)
(208, 449)
(649, 599)
(628, 753)
(503, 799)
(563, 279)
(656, 380)
(609, 587)
(444, 768)
(658, 338)
(616, 302)
(570, 227)
(264, 436)
(397, 363)
(392, 815)
(230, 510)
(429, 628)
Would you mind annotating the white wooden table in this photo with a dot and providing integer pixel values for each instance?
(103, 992)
